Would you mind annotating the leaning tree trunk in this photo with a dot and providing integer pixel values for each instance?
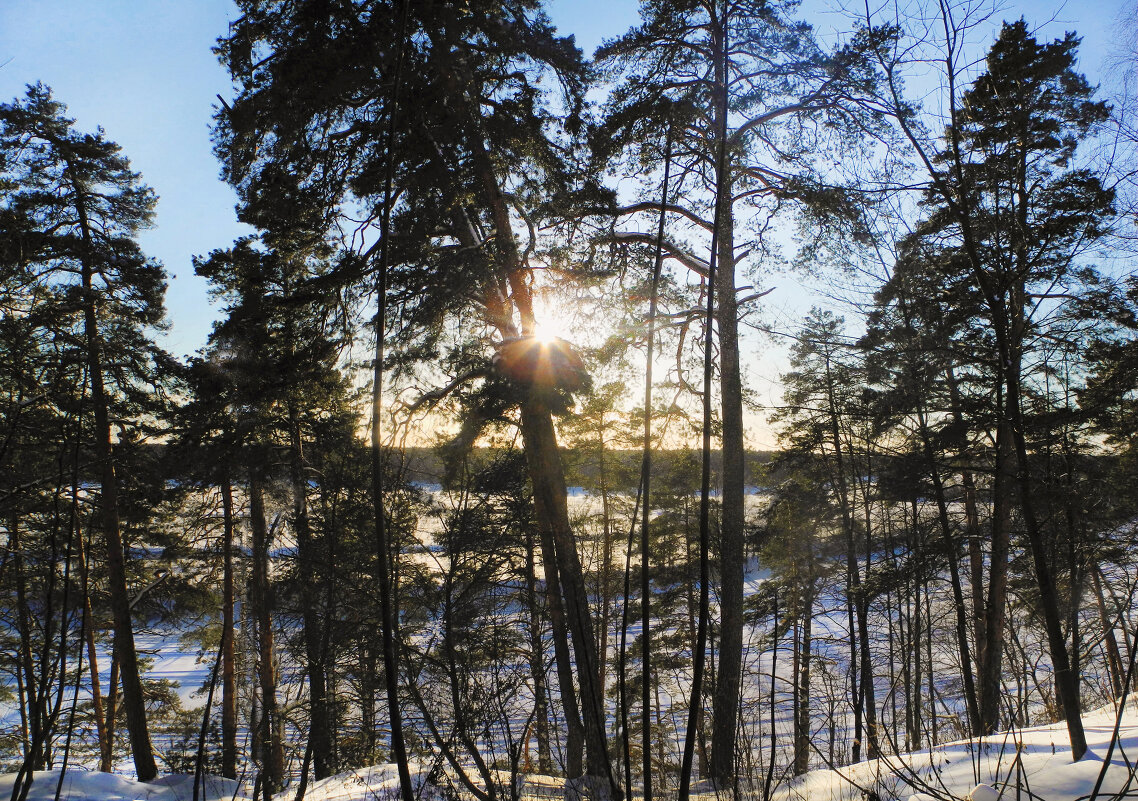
(547, 476)
(563, 660)
(951, 551)
(1113, 655)
(1066, 675)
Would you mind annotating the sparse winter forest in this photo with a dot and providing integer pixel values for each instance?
(477, 491)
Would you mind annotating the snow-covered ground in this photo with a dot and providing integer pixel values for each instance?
(377, 783)
(1032, 763)
(82, 785)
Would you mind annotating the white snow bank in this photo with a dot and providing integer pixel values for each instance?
(85, 785)
(1037, 760)
(376, 783)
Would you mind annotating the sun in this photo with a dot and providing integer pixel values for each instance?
(546, 331)
(552, 323)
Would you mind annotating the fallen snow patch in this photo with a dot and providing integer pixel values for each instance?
(376, 783)
(87, 785)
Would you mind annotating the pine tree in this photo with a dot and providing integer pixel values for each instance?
(1022, 215)
(751, 101)
(80, 208)
(824, 415)
(278, 350)
(479, 155)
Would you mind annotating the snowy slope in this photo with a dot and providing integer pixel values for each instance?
(1030, 763)
(1043, 770)
(82, 785)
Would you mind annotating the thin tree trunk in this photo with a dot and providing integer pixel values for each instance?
(773, 706)
(389, 623)
(646, 488)
(272, 749)
(869, 695)
(972, 533)
(951, 552)
(320, 724)
(93, 665)
(1113, 656)
(991, 650)
(106, 766)
(852, 670)
(802, 682)
(915, 631)
(459, 706)
(228, 661)
(537, 662)
(606, 567)
(864, 702)
(929, 670)
(368, 684)
(30, 689)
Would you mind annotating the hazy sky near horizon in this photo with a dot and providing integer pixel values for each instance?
(144, 71)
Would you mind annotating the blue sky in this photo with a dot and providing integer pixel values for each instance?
(143, 70)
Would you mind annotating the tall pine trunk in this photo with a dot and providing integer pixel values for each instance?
(729, 673)
(134, 703)
(272, 748)
(547, 477)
